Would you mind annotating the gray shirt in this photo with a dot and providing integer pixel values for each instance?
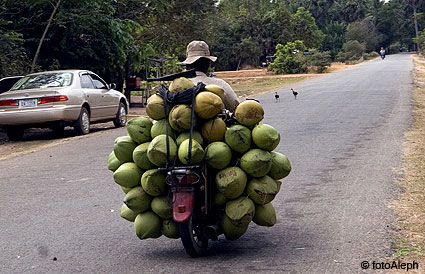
(230, 100)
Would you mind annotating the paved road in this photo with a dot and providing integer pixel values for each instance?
(60, 207)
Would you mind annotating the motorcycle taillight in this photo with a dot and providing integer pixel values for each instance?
(186, 179)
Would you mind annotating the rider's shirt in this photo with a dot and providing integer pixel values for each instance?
(230, 100)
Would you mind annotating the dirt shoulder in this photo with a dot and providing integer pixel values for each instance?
(409, 243)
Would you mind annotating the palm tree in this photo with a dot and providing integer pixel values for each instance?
(415, 4)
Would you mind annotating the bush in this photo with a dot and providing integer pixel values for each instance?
(370, 55)
(394, 48)
(290, 58)
(352, 51)
(320, 61)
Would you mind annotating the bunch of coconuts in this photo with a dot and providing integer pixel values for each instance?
(247, 170)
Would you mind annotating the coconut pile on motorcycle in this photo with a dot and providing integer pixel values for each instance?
(240, 152)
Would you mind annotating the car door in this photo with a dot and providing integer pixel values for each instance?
(108, 101)
(93, 96)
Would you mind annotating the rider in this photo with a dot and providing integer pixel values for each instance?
(382, 52)
(198, 57)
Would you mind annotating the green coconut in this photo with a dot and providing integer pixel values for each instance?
(279, 184)
(127, 213)
(281, 167)
(265, 215)
(232, 232)
(208, 105)
(123, 148)
(155, 107)
(262, 190)
(219, 200)
(214, 130)
(231, 182)
(249, 113)
(256, 162)
(180, 84)
(218, 155)
(197, 152)
(162, 207)
(128, 175)
(137, 200)
(113, 162)
(170, 229)
(157, 150)
(153, 182)
(147, 225)
(140, 156)
(265, 137)
(126, 189)
(240, 211)
(216, 90)
(160, 127)
(238, 137)
(179, 117)
(185, 135)
(139, 129)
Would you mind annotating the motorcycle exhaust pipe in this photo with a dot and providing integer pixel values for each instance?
(212, 231)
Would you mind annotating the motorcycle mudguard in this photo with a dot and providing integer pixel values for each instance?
(183, 206)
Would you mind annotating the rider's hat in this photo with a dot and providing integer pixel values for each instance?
(196, 50)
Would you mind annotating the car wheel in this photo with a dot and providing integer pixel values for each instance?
(121, 118)
(15, 133)
(82, 125)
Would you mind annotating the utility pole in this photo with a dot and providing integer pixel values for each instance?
(37, 52)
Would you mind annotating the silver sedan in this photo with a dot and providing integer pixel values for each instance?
(56, 99)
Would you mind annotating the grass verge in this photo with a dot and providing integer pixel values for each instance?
(248, 86)
(409, 243)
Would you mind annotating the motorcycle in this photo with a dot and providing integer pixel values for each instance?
(191, 186)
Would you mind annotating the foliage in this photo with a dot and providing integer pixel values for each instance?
(114, 37)
(370, 55)
(319, 61)
(289, 58)
(353, 50)
(334, 38)
(365, 32)
(421, 41)
(394, 48)
(305, 29)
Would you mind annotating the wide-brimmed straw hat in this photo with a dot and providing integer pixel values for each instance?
(196, 50)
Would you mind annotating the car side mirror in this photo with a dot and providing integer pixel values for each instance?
(112, 86)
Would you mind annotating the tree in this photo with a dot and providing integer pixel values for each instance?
(305, 29)
(350, 10)
(334, 38)
(364, 31)
(289, 58)
(34, 61)
(415, 4)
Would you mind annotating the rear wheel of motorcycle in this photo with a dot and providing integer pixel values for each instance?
(194, 240)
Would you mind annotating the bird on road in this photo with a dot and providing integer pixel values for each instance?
(295, 93)
(276, 96)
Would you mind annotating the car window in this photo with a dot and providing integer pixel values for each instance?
(8, 82)
(86, 81)
(98, 82)
(44, 80)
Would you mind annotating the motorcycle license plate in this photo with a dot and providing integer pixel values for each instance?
(27, 103)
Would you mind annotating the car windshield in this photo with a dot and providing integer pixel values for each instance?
(46, 80)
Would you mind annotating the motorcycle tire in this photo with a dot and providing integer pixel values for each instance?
(195, 242)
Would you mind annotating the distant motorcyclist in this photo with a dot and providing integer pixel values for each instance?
(382, 53)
